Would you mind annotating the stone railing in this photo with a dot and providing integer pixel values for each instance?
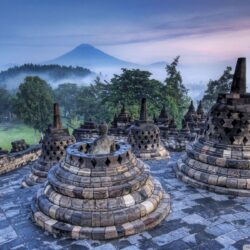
(11, 161)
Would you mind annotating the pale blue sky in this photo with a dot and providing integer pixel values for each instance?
(208, 35)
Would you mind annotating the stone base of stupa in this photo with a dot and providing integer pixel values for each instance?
(54, 149)
(38, 174)
(173, 144)
(205, 167)
(100, 196)
(160, 153)
(128, 221)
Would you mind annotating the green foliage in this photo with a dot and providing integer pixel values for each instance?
(101, 100)
(175, 93)
(6, 102)
(214, 87)
(15, 131)
(34, 103)
(66, 94)
(129, 88)
(90, 102)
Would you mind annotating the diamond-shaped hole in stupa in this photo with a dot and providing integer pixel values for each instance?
(54, 146)
(144, 136)
(220, 160)
(112, 198)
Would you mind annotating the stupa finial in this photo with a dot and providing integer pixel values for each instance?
(123, 108)
(57, 116)
(143, 112)
(191, 108)
(239, 78)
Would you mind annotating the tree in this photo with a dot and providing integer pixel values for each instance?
(174, 92)
(101, 100)
(129, 88)
(66, 95)
(214, 87)
(6, 103)
(90, 104)
(34, 103)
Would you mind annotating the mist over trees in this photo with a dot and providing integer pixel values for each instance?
(51, 72)
(100, 101)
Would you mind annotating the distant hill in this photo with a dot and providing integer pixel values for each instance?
(87, 56)
(76, 66)
(53, 74)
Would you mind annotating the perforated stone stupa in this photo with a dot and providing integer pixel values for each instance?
(121, 124)
(164, 118)
(19, 145)
(54, 146)
(201, 117)
(174, 139)
(88, 130)
(194, 120)
(220, 160)
(192, 126)
(168, 130)
(144, 136)
(100, 191)
(163, 122)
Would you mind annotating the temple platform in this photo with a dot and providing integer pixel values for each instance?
(199, 219)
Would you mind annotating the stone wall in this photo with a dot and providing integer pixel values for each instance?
(11, 161)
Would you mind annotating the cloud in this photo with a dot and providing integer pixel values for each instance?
(199, 48)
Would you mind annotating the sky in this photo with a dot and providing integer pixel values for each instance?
(208, 35)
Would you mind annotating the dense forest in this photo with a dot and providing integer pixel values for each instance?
(100, 101)
(51, 72)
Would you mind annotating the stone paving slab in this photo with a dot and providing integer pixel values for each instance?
(199, 219)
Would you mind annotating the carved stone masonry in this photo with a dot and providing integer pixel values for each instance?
(144, 136)
(121, 124)
(54, 146)
(100, 196)
(88, 130)
(220, 160)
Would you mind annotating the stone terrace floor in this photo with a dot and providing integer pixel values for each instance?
(199, 219)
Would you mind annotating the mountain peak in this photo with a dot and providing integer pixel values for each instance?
(88, 56)
(84, 46)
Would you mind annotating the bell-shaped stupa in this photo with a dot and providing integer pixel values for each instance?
(164, 117)
(201, 117)
(219, 160)
(54, 146)
(144, 137)
(190, 119)
(100, 191)
(88, 130)
(121, 123)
